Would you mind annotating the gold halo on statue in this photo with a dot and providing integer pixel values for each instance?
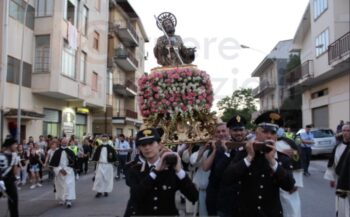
(166, 16)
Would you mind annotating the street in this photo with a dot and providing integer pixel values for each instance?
(317, 198)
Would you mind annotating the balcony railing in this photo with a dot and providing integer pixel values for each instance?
(339, 48)
(299, 72)
(263, 87)
(127, 113)
(127, 33)
(131, 85)
(265, 84)
(124, 87)
(124, 54)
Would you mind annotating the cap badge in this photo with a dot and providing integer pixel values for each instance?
(274, 117)
(147, 132)
(238, 119)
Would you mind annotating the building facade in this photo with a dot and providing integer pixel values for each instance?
(64, 65)
(323, 78)
(271, 72)
(126, 58)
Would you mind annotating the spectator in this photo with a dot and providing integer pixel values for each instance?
(340, 126)
(289, 134)
(307, 140)
(34, 168)
(42, 143)
(23, 174)
(41, 153)
(86, 155)
(123, 148)
(50, 152)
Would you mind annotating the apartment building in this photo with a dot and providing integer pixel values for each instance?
(64, 65)
(271, 72)
(323, 78)
(126, 58)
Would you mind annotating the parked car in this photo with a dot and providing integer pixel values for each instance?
(324, 140)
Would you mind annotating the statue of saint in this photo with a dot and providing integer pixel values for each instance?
(170, 50)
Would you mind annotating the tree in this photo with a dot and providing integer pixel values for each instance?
(240, 103)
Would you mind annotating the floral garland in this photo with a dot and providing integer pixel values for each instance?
(176, 93)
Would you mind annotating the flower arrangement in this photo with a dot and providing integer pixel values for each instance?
(175, 92)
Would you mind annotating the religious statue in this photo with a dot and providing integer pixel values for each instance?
(170, 50)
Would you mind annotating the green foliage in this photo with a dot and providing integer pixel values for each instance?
(294, 61)
(240, 103)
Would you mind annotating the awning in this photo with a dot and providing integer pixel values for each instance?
(25, 114)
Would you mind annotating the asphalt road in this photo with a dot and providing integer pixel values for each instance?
(316, 196)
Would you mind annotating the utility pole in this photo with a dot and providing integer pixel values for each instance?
(3, 66)
(19, 114)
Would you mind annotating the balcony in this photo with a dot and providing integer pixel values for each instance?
(300, 75)
(124, 116)
(126, 33)
(339, 50)
(264, 87)
(125, 88)
(125, 59)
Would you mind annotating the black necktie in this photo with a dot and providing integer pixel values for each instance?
(152, 167)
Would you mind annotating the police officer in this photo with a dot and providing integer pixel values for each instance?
(154, 180)
(227, 201)
(8, 165)
(261, 171)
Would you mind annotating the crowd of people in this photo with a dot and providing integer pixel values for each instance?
(238, 173)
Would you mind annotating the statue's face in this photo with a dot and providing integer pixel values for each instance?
(168, 27)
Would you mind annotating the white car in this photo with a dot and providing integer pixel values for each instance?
(324, 139)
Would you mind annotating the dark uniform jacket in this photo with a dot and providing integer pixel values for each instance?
(155, 197)
(112, 156)
(220, 198)
(56, 158)
(259, 185)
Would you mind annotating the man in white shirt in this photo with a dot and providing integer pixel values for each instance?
(122, 148)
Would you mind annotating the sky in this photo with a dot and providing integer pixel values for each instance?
(218, 28)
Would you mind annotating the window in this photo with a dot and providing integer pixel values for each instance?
(96, 40)
(52, 122)
(98, 5)
(68, 61)
(319, 7)
(320, 93)
(13, 71)
(81, 125)
(109, 85)
(84, 20)
(83, 67)
(94, 81)
(322, 42)
(42, 53)
(17, 8)
(44, 8)
(69, 12)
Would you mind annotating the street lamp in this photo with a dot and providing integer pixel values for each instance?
(3, 66)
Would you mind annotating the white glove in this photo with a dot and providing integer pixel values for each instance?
(2, 186)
